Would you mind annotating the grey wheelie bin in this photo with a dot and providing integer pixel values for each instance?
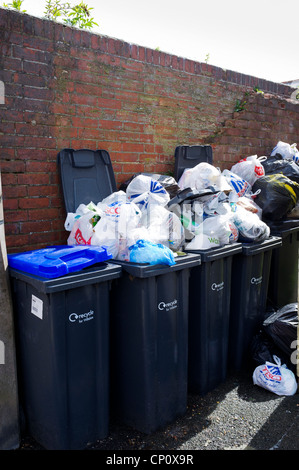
(148, 314)
(249, 290)
(62, 331)
(283, 283)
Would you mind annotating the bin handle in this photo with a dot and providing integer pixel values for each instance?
(86, 255)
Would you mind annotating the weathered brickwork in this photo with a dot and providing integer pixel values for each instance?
(70, 88)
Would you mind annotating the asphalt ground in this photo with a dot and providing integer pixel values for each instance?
(236, 415)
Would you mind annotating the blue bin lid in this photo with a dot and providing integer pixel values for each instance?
(56, 261)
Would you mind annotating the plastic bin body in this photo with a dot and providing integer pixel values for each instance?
(149, 343)
(249, 289)
(209, 312)
(62, 329)
(283, 282)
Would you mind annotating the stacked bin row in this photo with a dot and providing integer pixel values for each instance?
(158, 331)
(228, 297)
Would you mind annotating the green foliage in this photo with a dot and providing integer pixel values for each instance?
(77, 15)
(207, 57)
(15, 4)
(257, 90)
(240, 106)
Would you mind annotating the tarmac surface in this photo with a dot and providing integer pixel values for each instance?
(236, 415)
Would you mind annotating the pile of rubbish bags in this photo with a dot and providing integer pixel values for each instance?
(152, 218)
(274, 351)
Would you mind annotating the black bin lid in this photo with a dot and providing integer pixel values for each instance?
(86, 175)
(188, 156)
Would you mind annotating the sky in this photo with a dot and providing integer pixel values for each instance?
(258, 38)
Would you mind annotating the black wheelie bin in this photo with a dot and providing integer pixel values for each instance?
(249, 293)
(148, 314)
(283, 282)
(209, 297)
(61, 308)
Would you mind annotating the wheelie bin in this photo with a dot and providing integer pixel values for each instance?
(62, 342)
(209, 297)
(249, 291)
(148, 314)
(283, 282)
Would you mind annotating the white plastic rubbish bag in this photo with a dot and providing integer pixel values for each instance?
(276, 378)
(81, 224)
(214, 231)
(239, 185)
(249, 168)
(287, 151)
(144, 190)
(163, 227)
(202, 176)
(118, 228)
(250, 226)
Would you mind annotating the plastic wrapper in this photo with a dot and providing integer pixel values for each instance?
(287, 151)
(144, 251)
(249, 168)
(249, 204)
(275, 377)
(203, 176)
(143, 190)
(277, 197)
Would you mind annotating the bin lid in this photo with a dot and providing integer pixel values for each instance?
(213, 254)
(188, 156)
(99, 273)
(86, 175)
(144, 270)
(254, 248)
(56, 261)
(283, 227)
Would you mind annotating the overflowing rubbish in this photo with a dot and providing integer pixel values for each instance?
(250, 168)
(282, 327)
(278, 196)
(275, 377)
(277, 342)
(152, 253)
(206, 208)
(287, 151)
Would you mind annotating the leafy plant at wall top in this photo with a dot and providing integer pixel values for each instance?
(77, 15)
(15, 4)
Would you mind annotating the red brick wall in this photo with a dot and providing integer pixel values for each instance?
(70, 88)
